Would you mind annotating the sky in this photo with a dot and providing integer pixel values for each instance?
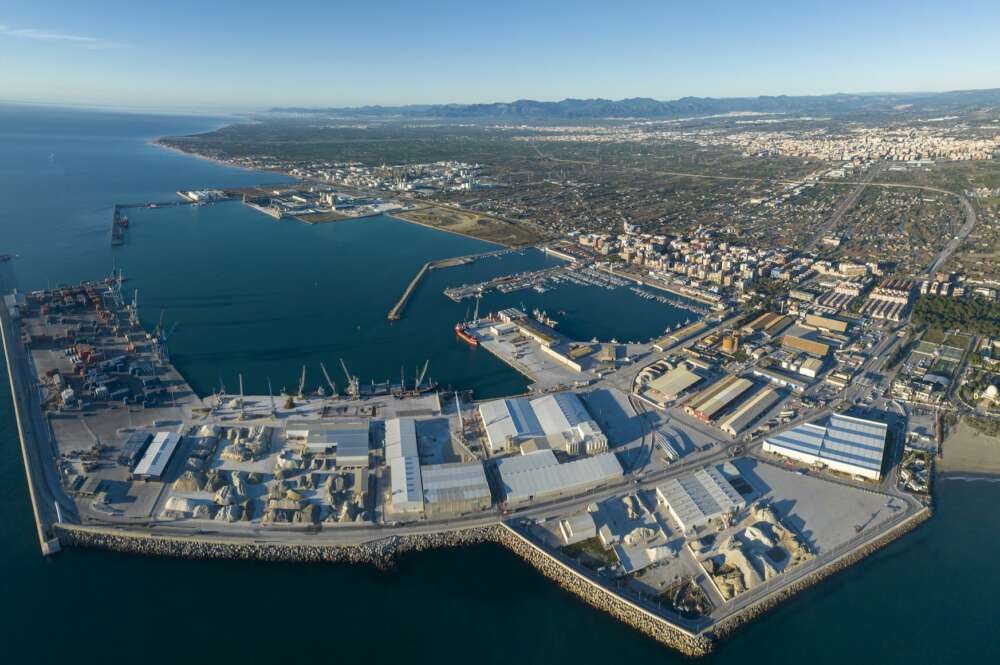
(240, 56)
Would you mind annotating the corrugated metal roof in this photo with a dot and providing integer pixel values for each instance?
(845, 439)
(161, 449)
(400, 438)
(559, 412)
(700, 496)
(454, 482)
(407, 488)
(539, 474)
(509, 418)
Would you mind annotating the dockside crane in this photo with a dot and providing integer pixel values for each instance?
(270, 398)
(420, 377)
(353, 389)
(302, 384)
(329, 381)
(243, 415)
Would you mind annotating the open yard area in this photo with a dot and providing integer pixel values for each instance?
(473, 224)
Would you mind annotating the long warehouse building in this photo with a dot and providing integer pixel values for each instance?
(709, 402)
(739, 420)
(154, 462)
(847, 444)
(526, 478)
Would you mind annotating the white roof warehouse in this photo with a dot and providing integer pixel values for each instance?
(539, 475)
(850, 445)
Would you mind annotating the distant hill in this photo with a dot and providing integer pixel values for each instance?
(644, 107)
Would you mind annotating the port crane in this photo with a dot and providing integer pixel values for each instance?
(329, 381)
(420, 377)
(243, 415)
(270, 398)
(302, 384)
(353, 390)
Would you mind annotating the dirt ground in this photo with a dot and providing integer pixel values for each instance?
(969, 450)
(473, 224)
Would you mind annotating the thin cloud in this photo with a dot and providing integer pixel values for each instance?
(41, 35)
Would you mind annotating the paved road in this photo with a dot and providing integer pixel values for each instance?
(841, 210)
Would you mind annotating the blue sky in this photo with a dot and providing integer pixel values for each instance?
(244, 55)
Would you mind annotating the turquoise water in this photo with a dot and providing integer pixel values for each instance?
(233, 279)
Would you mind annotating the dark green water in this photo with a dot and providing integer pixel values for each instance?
(233, 279)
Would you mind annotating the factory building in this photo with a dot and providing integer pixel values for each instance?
(707, 404)
(508, 422)
(780, 379)
(742, 418)
(826, 323)
(795, 343)
(154, 462)
(349, 444)
(455, 489)
(666, 388)
(560, 419)
(402, 456)
(850, 445)
(134, 448)
(697, 498)
(540, 476)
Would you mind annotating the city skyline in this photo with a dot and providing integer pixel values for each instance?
(254, 56)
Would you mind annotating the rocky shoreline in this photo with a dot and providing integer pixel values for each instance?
(383, 552)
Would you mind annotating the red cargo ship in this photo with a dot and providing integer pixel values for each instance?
(464, 335)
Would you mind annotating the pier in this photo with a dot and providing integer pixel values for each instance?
(396, 312)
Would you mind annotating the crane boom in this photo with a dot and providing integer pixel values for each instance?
(329, 381)
(302, 383)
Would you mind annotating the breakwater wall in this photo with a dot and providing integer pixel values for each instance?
(382, 552)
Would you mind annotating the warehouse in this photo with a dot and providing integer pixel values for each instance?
(826, 323)
(850, 445)
(711, 401)
(781, 379)
(697, 498)
(808, 346)
(526, 478)
(154, 462)
(507, 422)
(352, 452)
(560, 418)
(668, 387)
(402, 456)
(455, 489)
(134, 448)
(742, 418)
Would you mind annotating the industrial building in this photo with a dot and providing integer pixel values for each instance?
(154, 462)
(795, 343)
(666, 388)
(699, 497)
(826, 323)
(742, 418)
(402, 456)
(780, 379)
(577, 528)
(133, 448)
(526, 478)
(561, 419)
(455, 489)
(707, 404)
(847, 444)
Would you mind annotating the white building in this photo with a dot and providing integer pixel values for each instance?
(158, 454)
(561, 419)
(540, 476)
(401, 454)
(453, 489)
(699, 497)
(850, 445)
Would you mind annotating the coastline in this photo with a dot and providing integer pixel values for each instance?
(158, 142)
